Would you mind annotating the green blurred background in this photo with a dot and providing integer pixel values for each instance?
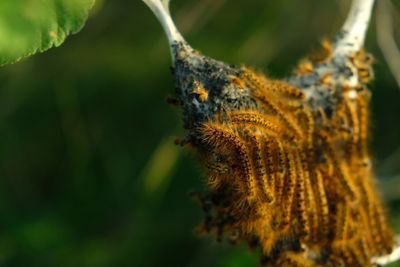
(89, 173)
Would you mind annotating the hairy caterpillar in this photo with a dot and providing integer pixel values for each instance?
(288, 162)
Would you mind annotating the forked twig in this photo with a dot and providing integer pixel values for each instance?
(195, 73)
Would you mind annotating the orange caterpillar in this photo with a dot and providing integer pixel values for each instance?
(289, 171)
(293, 180)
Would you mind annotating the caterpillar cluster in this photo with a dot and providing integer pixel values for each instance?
(291, 177)
(287, 161)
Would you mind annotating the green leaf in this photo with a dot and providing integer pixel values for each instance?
(31, 26)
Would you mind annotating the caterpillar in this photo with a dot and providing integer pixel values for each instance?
(287, 160)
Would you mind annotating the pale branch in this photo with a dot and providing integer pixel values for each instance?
(392, 257)
(343, 71)
(390, 186)
(352, 35)
(385, 36)
(160, 9)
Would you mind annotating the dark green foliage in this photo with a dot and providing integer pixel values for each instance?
(88, 172)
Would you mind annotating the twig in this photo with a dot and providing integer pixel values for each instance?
(192, 19)
(390, 186)
(347, 43)
(352, 35)
(387, 259)
(386, 41)
(160, 9)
